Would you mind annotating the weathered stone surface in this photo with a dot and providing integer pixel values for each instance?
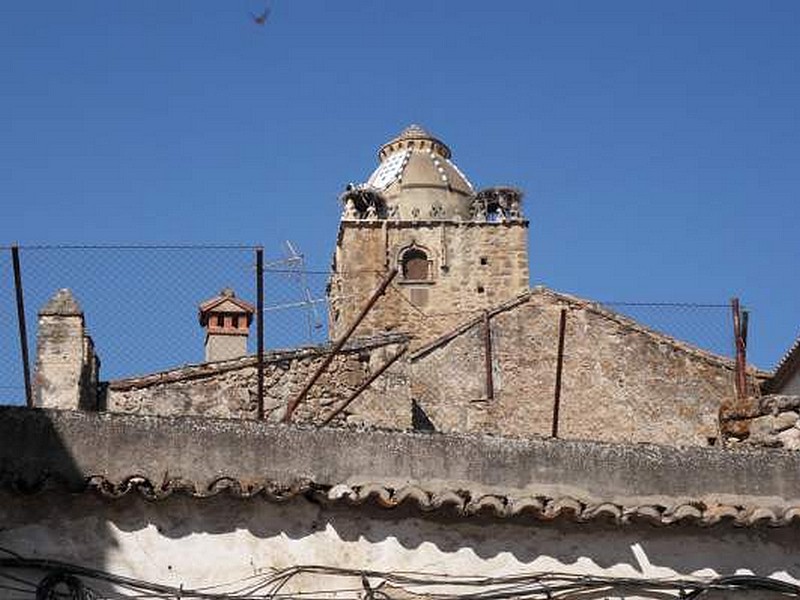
(785, 420)
(229, 389)
(768, 421)
(462, 506)
(762, 431)
(66, 372)
(790, 438)
(775, 403)
(473, 266)
(71, 447)
(62, 304)
(620, 381)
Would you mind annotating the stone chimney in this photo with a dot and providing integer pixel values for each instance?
(66, 365)
(226, 319)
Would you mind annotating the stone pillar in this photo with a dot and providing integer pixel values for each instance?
(66, 364)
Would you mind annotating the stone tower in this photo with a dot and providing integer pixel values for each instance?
(458, 251)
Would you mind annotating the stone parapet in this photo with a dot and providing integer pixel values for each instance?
(470, 474)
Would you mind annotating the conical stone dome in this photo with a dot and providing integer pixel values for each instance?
(418, 180)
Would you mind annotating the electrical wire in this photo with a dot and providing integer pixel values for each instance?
(432, 586)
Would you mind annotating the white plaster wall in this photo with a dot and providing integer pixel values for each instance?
(205, 542)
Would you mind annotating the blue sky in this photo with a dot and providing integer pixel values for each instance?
(658, 143)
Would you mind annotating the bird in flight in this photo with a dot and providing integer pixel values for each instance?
(260, 19)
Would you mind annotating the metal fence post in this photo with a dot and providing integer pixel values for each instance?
(23, 330)
(741, 357)
(562, 326)
(487, 356)
(260, 330)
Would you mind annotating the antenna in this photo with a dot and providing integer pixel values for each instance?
(293, 266)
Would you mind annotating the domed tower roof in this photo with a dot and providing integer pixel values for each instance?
(413, 133)
(418, 180)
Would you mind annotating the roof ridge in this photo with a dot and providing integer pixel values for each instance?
(593, 306)
(599, 309)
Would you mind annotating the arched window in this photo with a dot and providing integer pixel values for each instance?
(416, 266)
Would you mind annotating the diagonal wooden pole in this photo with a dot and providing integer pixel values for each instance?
(338, 346)
(365, 385)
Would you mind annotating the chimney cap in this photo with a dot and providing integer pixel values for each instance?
(226, 296)
(62, 304)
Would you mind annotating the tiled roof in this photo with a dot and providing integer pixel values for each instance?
(459, 502)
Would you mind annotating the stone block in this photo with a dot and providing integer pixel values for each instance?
(790, 438)
(785, 420)
(763, 432)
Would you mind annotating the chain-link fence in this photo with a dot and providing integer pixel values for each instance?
(583, 369)
(141, 306)
(141, 303)
(706, 326)
(295, 306)
(12, 383)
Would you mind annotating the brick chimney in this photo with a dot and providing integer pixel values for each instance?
(226, 319)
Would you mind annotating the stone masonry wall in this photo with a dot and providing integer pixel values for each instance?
(620, 382)
(473, 266)
(767, 422)
(228, 389)
(67, 367)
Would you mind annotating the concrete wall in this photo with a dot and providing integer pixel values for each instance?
(468, 474)
(619, 383)
(366, 250)
(229, 389)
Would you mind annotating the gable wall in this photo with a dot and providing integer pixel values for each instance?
(618, 384)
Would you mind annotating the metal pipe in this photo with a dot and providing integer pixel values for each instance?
(290, 408)
(260, 331)
(487, 354)
(745, 323)
(562, 326)
(740, 380)
(23, 330)
(365, 385)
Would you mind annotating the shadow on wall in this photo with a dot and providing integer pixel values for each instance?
(205, 541)
(305, 531)
(39, 482)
